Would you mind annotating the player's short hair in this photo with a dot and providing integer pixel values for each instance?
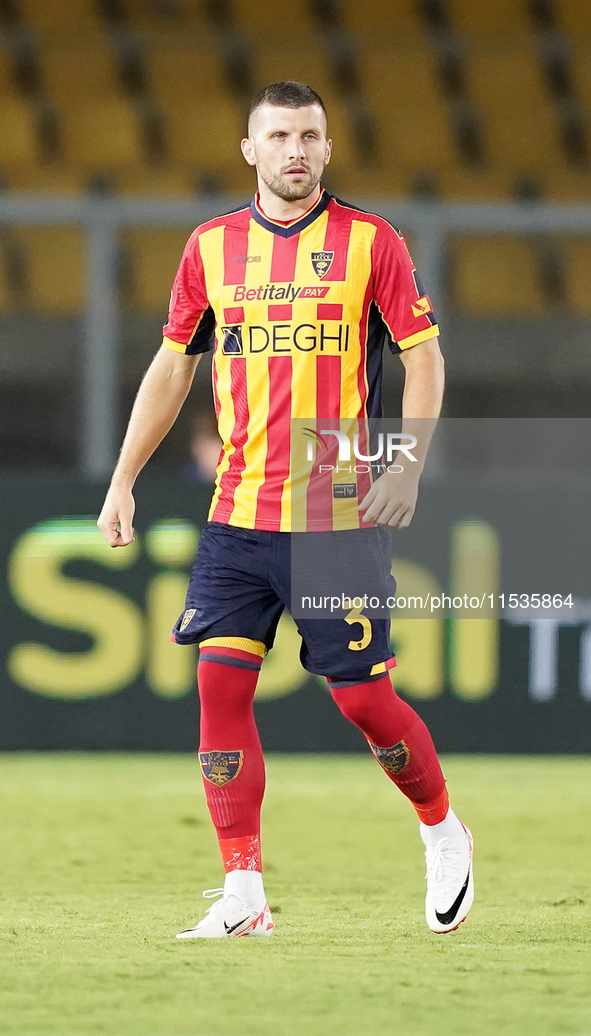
(287, 94)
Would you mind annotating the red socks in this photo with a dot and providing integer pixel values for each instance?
(230, 751)
(399, 740)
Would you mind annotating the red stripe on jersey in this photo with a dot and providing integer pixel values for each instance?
(277, 460)
(283, 260)
(234, 316)
(235, 247)
(328, 401)
(231, 478)
(364, 480)
(338, 235)
(329, 311)
(280, 312)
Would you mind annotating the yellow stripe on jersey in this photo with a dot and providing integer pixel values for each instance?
(421, 336)
(175, 346)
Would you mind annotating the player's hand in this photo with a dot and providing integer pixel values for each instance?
(391, 500)
(116, 518)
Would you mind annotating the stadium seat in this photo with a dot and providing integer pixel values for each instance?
(172, 16)
(158, 181)
(152, 259)
(194, 136)
(55, 178)
(7, 85)
(265, 16)
(55, 268)
(472, 18)
(574, 17)
(19, 144)
(101, 135)
(7, 300)
(75, 71)
(297, 56)
(567, 185)
(521, 131)
(183, 72)
(387, 19)
(495, 277)
(60, 16)
(577, 274)
(401, 87)
(458, 183)
(581, 72)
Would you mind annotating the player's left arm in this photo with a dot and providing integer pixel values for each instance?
(393, 497)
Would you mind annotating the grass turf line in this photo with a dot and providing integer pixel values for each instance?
(104, 858)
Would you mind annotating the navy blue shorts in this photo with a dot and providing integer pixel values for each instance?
(241, 583)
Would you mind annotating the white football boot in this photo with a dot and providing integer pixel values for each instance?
(228, 917)
(450, 883)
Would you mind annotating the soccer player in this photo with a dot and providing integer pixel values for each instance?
(297, 293)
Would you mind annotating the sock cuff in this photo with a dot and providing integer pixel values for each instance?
(241, 854)
(433, 812)
(234, 651)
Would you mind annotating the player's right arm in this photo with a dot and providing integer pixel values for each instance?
(157, 405)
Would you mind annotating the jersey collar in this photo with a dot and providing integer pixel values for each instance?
(293, 228)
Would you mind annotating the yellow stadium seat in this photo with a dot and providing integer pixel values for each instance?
(7, 85)
(19, 144)
(577, 274)
(457, 183)
(54, 178)
(292, 56)
(153, 257)
(175, 16)
(73, 71)
(380, 16)
(357, 184)
(55, 268)
(60, 15)
(183, 73)
(101, 135)
(159, 181)
(567, 185)
(574, 17)
(495, 277)
(478, 18)
(265, 16)
(581, 71)
(521, 131)
(194, 134)
(402, 89)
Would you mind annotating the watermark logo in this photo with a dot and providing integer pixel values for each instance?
(395, 442)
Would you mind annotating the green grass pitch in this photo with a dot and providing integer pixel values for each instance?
(104, 857)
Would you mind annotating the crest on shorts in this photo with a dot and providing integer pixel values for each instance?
(186, 619)
(220, 767)
(392, 759)
(322, 262)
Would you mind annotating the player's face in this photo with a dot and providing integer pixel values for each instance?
(289, 148)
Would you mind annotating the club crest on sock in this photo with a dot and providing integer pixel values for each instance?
(220, 767)
(392, 759)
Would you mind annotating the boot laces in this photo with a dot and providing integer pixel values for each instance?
(443, 864)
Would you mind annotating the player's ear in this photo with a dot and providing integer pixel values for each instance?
(248, 150)
(328, 152)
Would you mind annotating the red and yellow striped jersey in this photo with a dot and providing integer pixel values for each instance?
(297, 315)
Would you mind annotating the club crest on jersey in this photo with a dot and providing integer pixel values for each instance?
(321, 262)
(220, 767)
(186, 619)
(232, 340)
(392, 759)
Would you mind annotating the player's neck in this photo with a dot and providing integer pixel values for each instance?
(284, 211)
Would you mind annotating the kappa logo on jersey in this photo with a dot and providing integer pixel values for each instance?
(421, 307)
(392, 759)
(220, 767)
(321, 262)
(186, 619)
(232, 340)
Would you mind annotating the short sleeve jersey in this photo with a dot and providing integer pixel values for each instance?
(297, 315)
